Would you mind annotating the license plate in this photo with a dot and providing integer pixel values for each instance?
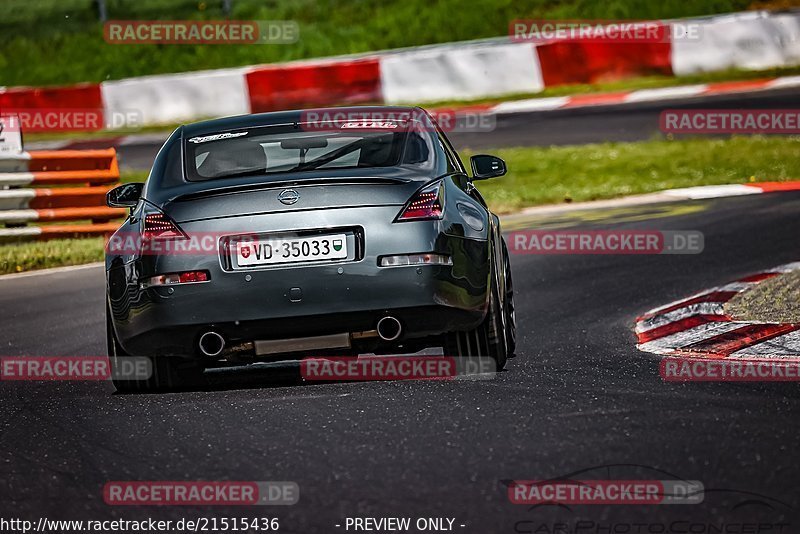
(260, 251)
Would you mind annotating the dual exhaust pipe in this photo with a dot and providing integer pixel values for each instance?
(211, 344)
(389, 328)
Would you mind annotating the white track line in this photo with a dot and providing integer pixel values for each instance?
(531, 104)
(54, 270)
(666, 93)
(713, 191)
(786, 81)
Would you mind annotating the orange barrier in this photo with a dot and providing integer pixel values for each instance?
(73, 160)
(101, 213)
(87, 176)
(77, 197)
(57, 178)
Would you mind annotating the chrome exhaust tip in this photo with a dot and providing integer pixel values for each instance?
(389, 328)
(211, 344)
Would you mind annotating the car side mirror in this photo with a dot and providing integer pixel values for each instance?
(125, 195)
(484, 167)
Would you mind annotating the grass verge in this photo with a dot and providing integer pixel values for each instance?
(544, 176)
(606, 170)
(19, 257)
(133, 176)
(774, 300)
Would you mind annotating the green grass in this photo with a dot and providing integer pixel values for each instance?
(543, 176)
(133, 176)
(60, 41)
(19, 257)
(773, 301)
(606, 170)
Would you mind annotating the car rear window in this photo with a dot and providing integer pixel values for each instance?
(291, 148)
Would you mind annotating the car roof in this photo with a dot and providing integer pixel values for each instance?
(293, 116)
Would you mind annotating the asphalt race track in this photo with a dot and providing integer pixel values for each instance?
(578, 396)
(624, 122)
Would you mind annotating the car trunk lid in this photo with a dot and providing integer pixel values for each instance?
(289, 196)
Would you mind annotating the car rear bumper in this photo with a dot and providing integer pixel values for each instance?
(304, 300)
(418, 323)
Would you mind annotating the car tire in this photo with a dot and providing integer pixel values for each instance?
(487, 340)
(508, 306)
(167, 373)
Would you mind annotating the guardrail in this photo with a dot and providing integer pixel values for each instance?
(77, 182)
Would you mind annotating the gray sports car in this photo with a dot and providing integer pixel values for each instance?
(323, 232)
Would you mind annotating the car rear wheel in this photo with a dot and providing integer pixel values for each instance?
(487, 340)
(167, 373)
(508, 306)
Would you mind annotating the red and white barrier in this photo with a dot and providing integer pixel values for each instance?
(174, 98)
(750, 41)
(460, 72)
(570, 62)
(309, 84)
(479, 69)
(503, 107)
(79, 96)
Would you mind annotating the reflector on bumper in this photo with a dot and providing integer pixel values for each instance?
(188, 277)
(414, 259)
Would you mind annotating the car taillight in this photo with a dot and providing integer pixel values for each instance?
(159, 226)
(427, 203)
(187, 277)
